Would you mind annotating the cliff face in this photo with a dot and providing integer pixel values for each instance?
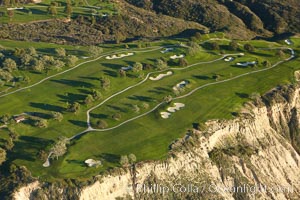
(253, 156)
(254, 149)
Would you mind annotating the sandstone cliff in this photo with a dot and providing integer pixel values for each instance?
(254, 156)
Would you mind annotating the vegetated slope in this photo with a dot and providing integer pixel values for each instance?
(259, 148)
(247, 16)
(132, 22)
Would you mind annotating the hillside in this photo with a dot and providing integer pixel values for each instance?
(149, 18)
(240, 18)
(130, 22)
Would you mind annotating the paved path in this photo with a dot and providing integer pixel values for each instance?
(90, 128)
(78, 65)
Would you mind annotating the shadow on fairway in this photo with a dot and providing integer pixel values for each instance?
(39, 114)
(160, 90)
(90, 78)
(141, 98)
(84, 91)
(112, 66)
(242, 95)
(112, 158)
(74, 83)
(71, 97)
(78, 123)
(116, 108)
(48, 107)
(202, 77)
(78, 162)
(99, 116)
(27, 147)
(110, 73)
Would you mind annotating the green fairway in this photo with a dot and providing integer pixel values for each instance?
(39, 12)
(149, 136)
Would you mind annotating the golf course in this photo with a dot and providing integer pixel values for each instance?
(134, 99)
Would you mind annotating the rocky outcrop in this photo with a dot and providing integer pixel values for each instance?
(25, 192)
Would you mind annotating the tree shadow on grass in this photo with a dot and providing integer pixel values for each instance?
(160, 90)
(110, 73)
(39, 115)
(78, 123)
(112, 66)
(202, 77)
(84, 91)
(90, 78)
(108, 157)
(242, 95)
(116, 108)
(99, 116)
(27, 147)
(47, 51)
(45, 106)
(78, 162)
(74, 83)
(141, 98)
(71, 97)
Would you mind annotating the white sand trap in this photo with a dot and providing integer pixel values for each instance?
(179, 105)
(245, 64)
(182, 84)
(288, 42)
(165, 115)
(47, 163)
(167, 50)
(175, 56)
(242, 54)
(16, 8)
(173, 109)
(229, 59)
(160, 76)
(118, 57)
(127, 68)
(92, 162)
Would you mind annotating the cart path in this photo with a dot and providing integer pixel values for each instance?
(80, 64)
(90, 128)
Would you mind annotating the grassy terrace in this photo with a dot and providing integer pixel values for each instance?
(149, 136)
(39, 11)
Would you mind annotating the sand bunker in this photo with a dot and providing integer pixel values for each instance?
(245, 64)
(229, 59)
(288, 42)
(175, 56)
(160, 76)
(118, 57)
(180, 85)
(167, 50)
(127, 68)
(165, 115)
(173, 109)
(92, 162)
(47, 163)
(16, 8)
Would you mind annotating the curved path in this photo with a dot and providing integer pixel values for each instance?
(90, 128)
(78, 65)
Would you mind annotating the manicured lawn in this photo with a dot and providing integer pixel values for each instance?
(147, 137)
(37, 12)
